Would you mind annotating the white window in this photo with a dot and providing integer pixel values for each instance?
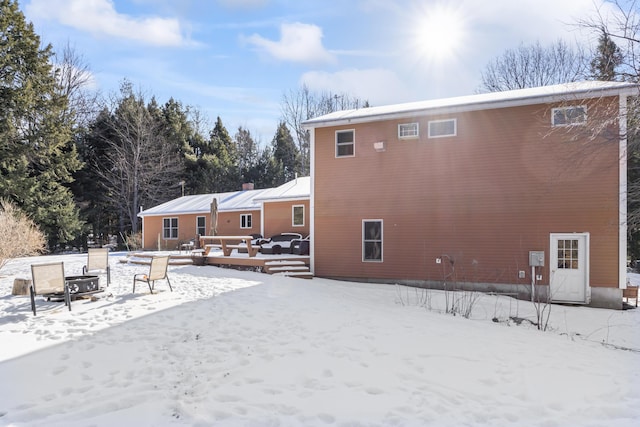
(297, 216)
(345, 142)
(408, 130)
(245, 221)
(201, 225)
(372, 240)
(442, 128)
(567, 116)
(170, 228)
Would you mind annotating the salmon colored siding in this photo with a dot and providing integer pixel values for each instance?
(483, 198)
(228, 224)
(279, 218)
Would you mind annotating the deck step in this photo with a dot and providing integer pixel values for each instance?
(283, 262)
(291, 268)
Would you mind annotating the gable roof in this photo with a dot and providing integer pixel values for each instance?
(493, 100)
(201, 203)
(299, 188)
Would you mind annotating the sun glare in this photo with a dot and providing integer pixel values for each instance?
(439, 33)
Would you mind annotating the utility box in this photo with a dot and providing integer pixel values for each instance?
(536, 258)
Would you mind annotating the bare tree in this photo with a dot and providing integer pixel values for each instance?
(533, 66)
(141, 164)
(303, 104)
(74, 80)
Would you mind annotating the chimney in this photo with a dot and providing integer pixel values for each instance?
(247, 186)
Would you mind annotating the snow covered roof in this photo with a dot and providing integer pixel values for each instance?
(538, 95)
(299, 188)
(201, 203)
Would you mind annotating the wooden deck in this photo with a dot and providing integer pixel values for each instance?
(285, 264)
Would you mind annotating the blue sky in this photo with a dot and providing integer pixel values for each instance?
(237, 58)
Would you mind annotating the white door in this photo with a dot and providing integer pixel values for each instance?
(569, 258)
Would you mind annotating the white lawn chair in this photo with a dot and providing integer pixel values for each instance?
(98, 263)
(48, 281)
(157, 271)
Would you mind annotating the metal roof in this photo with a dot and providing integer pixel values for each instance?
(299, 188)
(538, 95)
(201, 203)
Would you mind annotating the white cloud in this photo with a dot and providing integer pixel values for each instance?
(298, 43)
(99, 17)
(378, 86)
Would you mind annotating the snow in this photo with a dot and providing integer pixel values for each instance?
(234, 348)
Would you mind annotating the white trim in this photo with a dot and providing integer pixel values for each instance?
(455, 128)
(381, 221)
(622, 170)
(171, 228)
(312, 204)
(417, 134)
(250, 220)
(353, 143)
(568, 107)
(205, 223)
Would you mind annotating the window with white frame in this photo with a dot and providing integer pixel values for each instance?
(442, 128)
(345, 143)
(201, 225)
(408, 130)
(568, 116)
(297, 215)
(170, 228)
(372, 240)
(245, 221)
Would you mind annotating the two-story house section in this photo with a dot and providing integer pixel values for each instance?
(507, 192)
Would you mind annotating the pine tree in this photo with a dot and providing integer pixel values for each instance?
(37, 155)
(226, 173)
(286, 154)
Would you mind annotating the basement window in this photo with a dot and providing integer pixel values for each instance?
(569, 116)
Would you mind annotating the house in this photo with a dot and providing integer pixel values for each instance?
(501, 192)
(250, 211)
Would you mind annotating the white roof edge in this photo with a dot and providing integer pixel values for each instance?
(283, 199)
(493, 100)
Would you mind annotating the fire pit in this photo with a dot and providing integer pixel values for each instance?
(82, 284)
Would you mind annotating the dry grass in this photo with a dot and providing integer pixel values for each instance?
(20, 236)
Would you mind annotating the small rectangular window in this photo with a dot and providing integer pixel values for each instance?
(345, 140)
(170, 228)
(408, 130)
(568, 116)
(245, 221)
(372, 240)
(442, 128)
(297, 214)
(201, 227)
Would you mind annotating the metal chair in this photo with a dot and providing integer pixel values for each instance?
(98, 263)
(157, 271)
(48, 280)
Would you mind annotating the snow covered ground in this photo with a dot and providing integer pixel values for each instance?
(232, 348)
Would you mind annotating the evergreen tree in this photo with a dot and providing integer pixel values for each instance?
(37, 155)
(248, 155)
(286, 155)
(225, 172)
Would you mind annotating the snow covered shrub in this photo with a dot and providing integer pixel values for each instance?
(20, 235)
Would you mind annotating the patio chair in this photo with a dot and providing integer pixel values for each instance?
(157, 271)
(98, 263)
(48, 281)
